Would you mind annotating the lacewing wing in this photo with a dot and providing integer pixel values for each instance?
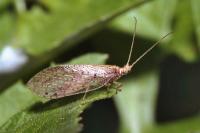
(65, 80)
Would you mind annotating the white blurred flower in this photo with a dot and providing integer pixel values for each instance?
(11, 59)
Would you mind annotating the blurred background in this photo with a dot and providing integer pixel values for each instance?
(161, 94)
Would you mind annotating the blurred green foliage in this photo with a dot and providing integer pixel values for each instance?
(49, 30)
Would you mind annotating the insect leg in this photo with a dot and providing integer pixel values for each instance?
(86, 90)
(108, 86)
(117, 86)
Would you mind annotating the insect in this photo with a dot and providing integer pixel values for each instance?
(66, 80)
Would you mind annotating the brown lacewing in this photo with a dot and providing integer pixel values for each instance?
(66, 80)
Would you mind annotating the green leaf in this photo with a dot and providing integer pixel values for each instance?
(189, 125)
(14, 99)
(6, 30)
(196, 18)
(155, 21)
(57, 116)
(91, 58)
(136, 103)
(3, 3)
(53, 116)
(40, 31)
(182, 40)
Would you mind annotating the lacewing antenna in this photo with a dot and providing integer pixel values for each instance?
(146, 52)
(130, 53)
(149, 49)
